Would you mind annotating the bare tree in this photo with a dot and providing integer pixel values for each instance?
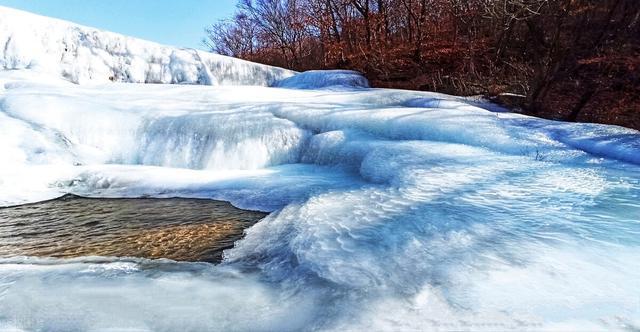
(563, 55)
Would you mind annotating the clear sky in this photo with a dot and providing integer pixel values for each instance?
(172, 22)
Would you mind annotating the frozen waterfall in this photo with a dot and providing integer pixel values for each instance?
(389, 209)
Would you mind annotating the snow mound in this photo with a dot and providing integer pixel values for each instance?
(319, 79)
(82, 54)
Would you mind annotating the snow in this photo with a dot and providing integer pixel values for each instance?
(320, 79)
(390, 210)
(87, 55)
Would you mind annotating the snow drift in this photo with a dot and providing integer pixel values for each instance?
(390, 210)
(82, 54)
(319, 79)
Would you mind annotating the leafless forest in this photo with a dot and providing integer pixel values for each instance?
(574, 60)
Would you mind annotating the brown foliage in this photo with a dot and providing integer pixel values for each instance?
(575, 60)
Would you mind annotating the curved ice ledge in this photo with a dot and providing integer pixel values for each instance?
(378, 136)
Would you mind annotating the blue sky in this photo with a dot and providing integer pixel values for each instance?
(172, 22)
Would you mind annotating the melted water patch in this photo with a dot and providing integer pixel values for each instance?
(174, 228)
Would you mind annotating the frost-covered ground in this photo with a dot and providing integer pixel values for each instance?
(391, 210)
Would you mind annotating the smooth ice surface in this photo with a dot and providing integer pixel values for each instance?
(390, 210)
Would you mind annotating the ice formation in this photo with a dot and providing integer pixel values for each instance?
(390, 210)
(320, 79)
(87, 55)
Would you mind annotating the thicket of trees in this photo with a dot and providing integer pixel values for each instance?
(565, 59)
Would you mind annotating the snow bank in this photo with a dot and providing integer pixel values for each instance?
(82, 54)
(321, 79)
(606, 141)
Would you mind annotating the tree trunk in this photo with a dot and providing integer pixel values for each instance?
(584, 99)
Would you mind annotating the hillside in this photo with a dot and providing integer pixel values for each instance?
(567, 60)
(86, 55)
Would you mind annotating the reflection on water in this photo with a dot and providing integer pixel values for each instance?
(174, 228)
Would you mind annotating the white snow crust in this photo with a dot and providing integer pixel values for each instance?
(86, 55)
(324, 79)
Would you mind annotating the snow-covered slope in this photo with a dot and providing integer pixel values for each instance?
(390, 210)
(82, 55)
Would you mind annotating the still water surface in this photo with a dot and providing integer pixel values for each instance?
(174, 228)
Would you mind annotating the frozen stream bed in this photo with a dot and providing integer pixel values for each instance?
(389, 209)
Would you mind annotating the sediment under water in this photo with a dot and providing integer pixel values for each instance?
(174, 228)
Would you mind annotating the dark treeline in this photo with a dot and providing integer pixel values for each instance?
(562, 59)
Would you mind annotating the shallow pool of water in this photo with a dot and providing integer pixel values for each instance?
(173, 228)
